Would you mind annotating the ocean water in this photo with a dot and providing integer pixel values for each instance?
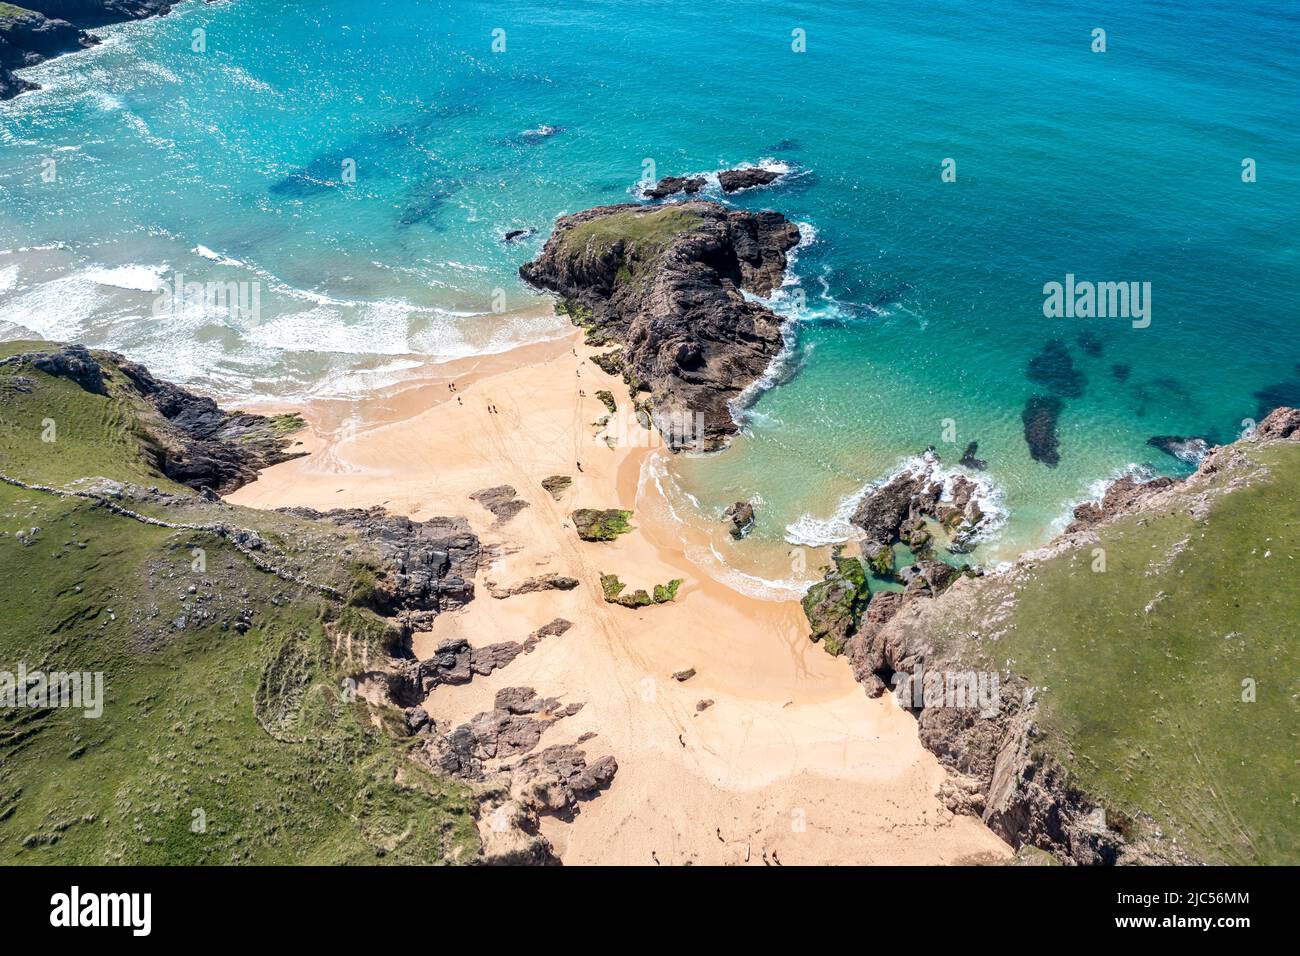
(922, 299)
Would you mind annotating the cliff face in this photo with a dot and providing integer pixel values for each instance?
(666, 284)
(1147, 614)
(37, 30)
(194, 442)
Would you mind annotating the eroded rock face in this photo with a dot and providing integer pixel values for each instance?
(672, 185)
(425, 567)
(732, 180)
(198, 444)
(30, 38)
(37, 30)
(1119, 497)
(1280, 423)
(666, 283)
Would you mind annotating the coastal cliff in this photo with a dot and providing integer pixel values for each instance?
(666, 285)
(38, 30)
(258, 675)
(1095, 700)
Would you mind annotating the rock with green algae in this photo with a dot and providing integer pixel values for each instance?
(835, 604)
(594, 524)
(613, 589)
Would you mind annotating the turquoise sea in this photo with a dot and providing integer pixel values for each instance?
(924, 297)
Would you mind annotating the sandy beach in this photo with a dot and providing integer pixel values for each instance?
(790, 764)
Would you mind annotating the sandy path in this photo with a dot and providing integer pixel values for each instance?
(791, 762)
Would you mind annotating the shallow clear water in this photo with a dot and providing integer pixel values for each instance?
(924, 297)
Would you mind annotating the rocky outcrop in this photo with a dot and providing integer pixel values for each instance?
(734, 180)
(28, 38)
(503, 501)
(1280, 423)
(668, 284)
(557, 485)
(37, 30)
(195, 442)
(595, 524)
(540, 582)
(989, 742)
(1186, 449)
(1119, 498)
(898, 509)
(98, 13)
(741, 516)
(672, 185)
(419, 569)
(834, 605)
(456, 662)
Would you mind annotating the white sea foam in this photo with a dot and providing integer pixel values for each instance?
(712, 188)
(216, 257)
(136, 278)
(1096, 490)
(61, 309)
(812, 531)
(9, 279)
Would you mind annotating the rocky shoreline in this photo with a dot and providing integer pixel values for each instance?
(1022, 794)
(666, 285)
(38, 30)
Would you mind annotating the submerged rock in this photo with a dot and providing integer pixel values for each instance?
(968, 459)
(1190, 450)
(1053, 369)
(1039, 417)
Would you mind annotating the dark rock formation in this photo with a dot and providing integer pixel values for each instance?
(557, 485)
(741, 515)
(684, 675)
(37, 30)
(667, 283)
(732, 180)
(518, 235)
(671, 185)
(968, 459)
(1119, 498)
(593, 524)
(1190, 449)
(541, 582)
(1039, 418)
(897, 510)
(424, 567)
(1054, 370)
(196, 443)
(28, 38)
(502, 501)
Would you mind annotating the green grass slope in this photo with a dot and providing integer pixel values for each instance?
(227, 733)
(1168, 680)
